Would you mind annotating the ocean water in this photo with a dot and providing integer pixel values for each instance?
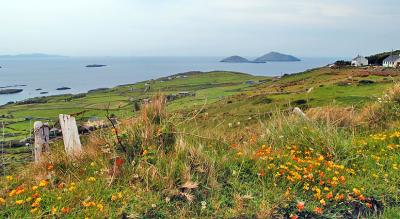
(52, 73)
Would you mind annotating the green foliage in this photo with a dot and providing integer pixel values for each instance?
(377, 59)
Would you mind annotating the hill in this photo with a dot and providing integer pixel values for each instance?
(34, 55)
(377, 59)
(276, 57)
(235, 59)
(232, 150)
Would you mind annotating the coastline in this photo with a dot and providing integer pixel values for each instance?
(54, 73)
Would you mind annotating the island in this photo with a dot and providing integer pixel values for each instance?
(277, 57)
(63, 88)
(95, 66)
(235, 59)
(10, 91)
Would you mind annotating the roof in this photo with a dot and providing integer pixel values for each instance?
(392, 58)
(358, 58)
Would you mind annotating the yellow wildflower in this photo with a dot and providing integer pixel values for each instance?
(100, 207)
(91, 179)
(19, 202)
(34, 188)
(43, 183)
(356, 192)
(33, 210)
(2, 201)
(9, 178)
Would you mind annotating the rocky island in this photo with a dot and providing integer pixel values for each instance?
(95, 66)
(277, 57)
(235, 59)
(10, 91)
(63, 88)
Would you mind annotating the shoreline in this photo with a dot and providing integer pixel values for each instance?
(31, 92)
(99, 89)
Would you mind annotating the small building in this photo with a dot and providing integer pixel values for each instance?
(359, 61)
(392, 61)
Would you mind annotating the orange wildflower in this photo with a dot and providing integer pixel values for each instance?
(50, 167)
(318, 210)
(61, 185)
(119, 161)
(329, 195)
(65, 210)
(300, 206)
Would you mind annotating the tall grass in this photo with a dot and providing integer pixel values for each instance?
(258, 169)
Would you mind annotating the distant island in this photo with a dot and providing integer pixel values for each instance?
(277, 57)
(63, 88)
(95, 66)
(269, 57)
(10, 91)
(235, 59)
(33, 55)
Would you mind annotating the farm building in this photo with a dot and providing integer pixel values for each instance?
(359, 61)
(392, 61)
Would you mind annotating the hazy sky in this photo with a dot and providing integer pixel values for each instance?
(199, 27)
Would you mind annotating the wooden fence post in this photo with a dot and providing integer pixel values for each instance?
(41, 131)
(70, 134)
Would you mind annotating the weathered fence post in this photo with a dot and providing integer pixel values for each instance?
(41, 131)
(70, 134)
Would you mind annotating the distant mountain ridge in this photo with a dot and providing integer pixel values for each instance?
(277, 57)
(32, 55)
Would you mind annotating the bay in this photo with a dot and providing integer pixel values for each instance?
(48, 74)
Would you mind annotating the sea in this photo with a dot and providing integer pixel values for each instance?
(36, 75)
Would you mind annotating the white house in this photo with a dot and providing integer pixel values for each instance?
(359, 61)
(392, 61)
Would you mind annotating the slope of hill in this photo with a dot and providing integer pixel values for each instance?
(233, 150)
(276, 57)
(377, 59)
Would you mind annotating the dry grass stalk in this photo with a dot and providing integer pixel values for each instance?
(333, 115)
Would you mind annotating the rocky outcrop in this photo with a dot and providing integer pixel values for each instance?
(11, 91)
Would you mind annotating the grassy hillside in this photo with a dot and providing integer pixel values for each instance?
(234, 150)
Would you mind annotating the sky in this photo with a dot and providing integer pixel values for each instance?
(307, 28)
